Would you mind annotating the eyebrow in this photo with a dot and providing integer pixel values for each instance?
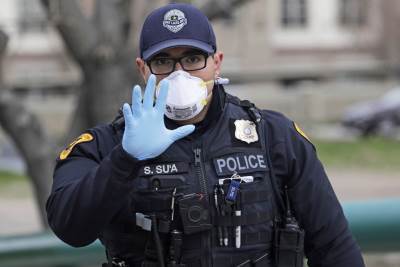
(186, 53)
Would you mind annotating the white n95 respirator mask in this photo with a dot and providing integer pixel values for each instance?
(187, 95)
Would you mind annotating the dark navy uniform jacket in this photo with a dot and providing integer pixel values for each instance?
(92, 185)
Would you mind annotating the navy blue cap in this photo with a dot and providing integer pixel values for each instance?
(175, 25)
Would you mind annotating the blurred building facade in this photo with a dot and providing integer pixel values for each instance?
(36, 57)
(300, 39)
(278, 40)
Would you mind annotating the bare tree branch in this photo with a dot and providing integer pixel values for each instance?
(3, 42)
(111, 18)
(30, 139)
(101, 54)
(3, 46)
(80, 34)
(109, 24)
(33, 144)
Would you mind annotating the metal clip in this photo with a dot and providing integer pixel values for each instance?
(118, 262)
(235, 176)
(143, 221)
(173, 204)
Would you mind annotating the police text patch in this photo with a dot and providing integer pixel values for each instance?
(240, 163)
(164, 168)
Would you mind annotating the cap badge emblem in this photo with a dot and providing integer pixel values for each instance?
(174, 20)
(246, 131)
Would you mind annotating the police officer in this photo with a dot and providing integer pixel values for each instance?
(189, 175)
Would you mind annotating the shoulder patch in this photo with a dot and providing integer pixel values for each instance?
(86, 137)
(300, 131)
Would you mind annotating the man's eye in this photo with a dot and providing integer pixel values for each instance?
(193, 59)
(162, 61)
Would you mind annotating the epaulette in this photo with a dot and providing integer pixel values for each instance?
(253, 111)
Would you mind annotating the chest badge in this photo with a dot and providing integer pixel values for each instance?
(246, 131)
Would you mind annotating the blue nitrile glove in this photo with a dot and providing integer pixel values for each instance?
(145, 134)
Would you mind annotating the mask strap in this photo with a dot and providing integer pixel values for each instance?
(204, 84)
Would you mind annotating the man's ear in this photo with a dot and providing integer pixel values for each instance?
(218, 57)
(141, 65)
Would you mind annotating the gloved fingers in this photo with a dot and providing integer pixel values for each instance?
(126, 109)
(136, 101)
(148, 99)
(162, 97)
(182, 132)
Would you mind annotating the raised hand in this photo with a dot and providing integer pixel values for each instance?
(145, 135)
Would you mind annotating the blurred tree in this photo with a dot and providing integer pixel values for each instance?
(102, 37)
(29, 137)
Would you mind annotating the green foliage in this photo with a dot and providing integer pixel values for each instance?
(8, 177)
(13, 185)
(369, 153)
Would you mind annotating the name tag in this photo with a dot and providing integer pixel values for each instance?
(164, 168)
(240, 163)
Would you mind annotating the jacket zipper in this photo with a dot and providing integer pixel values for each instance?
(199, 167)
